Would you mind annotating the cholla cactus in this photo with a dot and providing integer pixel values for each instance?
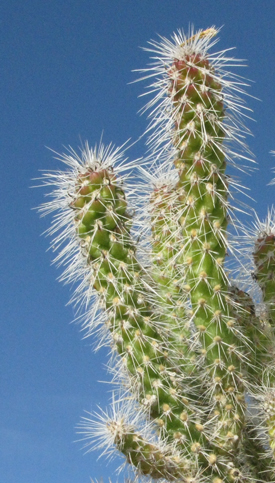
(158, 273)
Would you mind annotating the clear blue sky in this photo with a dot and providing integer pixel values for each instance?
(65, 73)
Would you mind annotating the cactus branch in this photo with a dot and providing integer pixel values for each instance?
(192, 343)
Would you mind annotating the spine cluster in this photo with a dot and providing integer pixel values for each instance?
(193, 347)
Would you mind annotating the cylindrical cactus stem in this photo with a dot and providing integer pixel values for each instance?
(117, 276)
(193, 353)
(98, 214)
(259, 370)
(149, 456)
(258, 333)
(201, 161)
(192, 126)
(261, 375)
(264, 274)
(264, 259)
(166, 244)
(268, 415)
(255, 455)
(151, 459)
(200, 128)
(96, 210)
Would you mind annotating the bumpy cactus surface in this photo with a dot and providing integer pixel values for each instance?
(161, 272)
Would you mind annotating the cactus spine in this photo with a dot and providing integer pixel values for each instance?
(193, 352)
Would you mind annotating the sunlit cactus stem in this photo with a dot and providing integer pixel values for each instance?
(181, 290)
(201, 161)
(101, 224)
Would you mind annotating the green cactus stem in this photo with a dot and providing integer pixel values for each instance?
(264, 259)
(118, 278)
(192, 344)
(148, 458)
(166, 244)
(201, 161)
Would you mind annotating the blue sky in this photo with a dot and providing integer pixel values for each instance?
(65, 73)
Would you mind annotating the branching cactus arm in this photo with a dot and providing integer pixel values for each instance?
(104, 252)
(193, 352)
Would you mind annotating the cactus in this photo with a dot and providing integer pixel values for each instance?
(181, 290)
